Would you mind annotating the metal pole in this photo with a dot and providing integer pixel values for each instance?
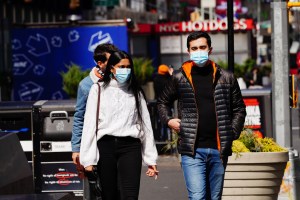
(280, 83)
(258, 32)
(230, 35)
(280, 74)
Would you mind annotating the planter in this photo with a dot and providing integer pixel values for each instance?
(254, 175)
(149, 90)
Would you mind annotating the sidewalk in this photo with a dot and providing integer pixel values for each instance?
(168, 160)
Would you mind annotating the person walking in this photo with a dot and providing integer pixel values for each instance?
(101, 55)
(163, 76)
(124, 136)
(211, 114)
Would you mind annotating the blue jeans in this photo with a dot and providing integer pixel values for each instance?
(203, 174)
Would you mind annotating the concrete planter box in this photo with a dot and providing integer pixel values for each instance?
(255, 175)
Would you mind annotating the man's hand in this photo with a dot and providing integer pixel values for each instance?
(152, 171)
(74, 155)
(174, 124)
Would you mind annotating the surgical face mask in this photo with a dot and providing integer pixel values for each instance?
(199, 57)
(100, 71)
(122, 74)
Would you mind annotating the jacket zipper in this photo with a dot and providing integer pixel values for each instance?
(214, 90)
(218, 139)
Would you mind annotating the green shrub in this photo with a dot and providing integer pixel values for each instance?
(239, 69)
(71, 79)
(143, 69)
(254, 143)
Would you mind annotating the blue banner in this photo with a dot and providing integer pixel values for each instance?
(40, 54)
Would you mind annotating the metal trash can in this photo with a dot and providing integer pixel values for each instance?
(54, 170)
(16, 116)
(259, 110)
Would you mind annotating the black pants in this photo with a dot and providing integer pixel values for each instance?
(120, 167)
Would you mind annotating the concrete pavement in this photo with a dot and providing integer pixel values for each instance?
(170, 183)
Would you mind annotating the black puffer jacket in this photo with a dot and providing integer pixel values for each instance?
(230, 108)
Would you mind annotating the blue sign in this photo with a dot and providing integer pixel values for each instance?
(40, 54)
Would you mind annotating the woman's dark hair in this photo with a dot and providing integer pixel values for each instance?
(196, 35)
(133, 85)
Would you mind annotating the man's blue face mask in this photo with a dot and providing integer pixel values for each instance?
(199, 57)
(122, 74)
(100, 71)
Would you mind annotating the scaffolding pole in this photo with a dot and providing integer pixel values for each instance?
(280, 84)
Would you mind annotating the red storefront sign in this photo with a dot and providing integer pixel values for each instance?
(182, 27)
(206, 25)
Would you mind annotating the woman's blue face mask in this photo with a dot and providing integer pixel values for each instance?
(199, 57)
(122, 74)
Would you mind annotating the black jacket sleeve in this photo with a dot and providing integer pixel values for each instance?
(166, 99)
(238, 109)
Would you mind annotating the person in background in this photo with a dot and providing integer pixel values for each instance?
(211, 114)
(253, 78)
(160, 80)
(163, 76)
(124, 136)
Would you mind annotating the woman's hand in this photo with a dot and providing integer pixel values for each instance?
(152, 171)
(89, 168)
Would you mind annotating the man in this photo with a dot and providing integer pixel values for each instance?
(211, 114)
(163, 76)
(101, 55)
(253, 78)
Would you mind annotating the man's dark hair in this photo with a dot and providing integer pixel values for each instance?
(197, 35)
(101, 49)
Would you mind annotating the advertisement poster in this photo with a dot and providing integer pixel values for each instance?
(254, 118)
(60, 177)
(40, 54)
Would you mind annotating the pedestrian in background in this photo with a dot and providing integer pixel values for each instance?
(253, 78)
(163, 76)
(160, 80)
(124, 136)
(211, 114)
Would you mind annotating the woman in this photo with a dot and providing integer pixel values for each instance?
(124, 135)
